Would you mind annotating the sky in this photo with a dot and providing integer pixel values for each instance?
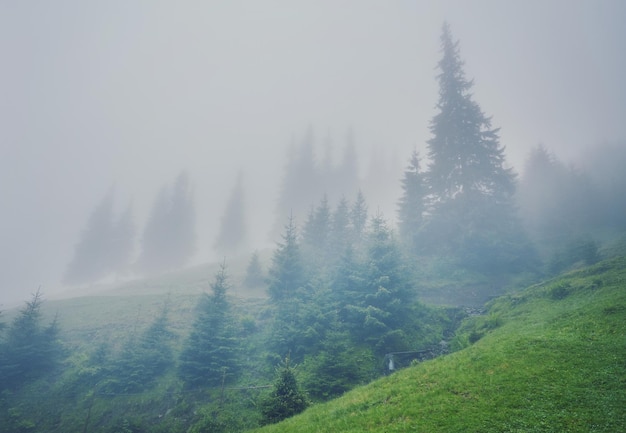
(126, 94)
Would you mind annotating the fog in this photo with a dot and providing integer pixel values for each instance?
(126, 95)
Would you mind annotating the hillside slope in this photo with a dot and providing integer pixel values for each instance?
(550, 358)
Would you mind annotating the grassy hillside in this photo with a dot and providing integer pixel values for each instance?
(551, 358)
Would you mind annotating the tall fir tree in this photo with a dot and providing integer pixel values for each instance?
(467, 160)
(316, 235)
(358, 220)
(471, 211)
(286, 399)
(92, 253)
(255, 277)
(411, 203)
(286, 274)
(211, 353)
(30, 350)
(168, 240)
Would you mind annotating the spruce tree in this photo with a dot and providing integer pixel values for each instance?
(286, 398)
(254, 272)
(29, 350)
(471, 212)
(467, 160)
(286, 275)
(169, 236)
(358, 220)
(411, 203)
(92, 253)
(211, 353)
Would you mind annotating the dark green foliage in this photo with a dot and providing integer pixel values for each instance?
(211, 354)
(286, 398)
(411, 205)
(286, 275)
(317, 236)
(338, 367)
(358, 219)
(380, 298)
(339, 230)
(29, 349)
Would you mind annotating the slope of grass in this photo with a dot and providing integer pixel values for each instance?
(551, 358)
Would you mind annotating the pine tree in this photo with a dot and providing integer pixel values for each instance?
(286, 275)
(316, 236)
(339, 230)
(472, 217)
(232, 235)
(211, 353)
(286, 399)
(467, 160)
(169, 236)
(254, 272)
(30, 350)
(358, 219)
(301, 184)
(92, 253)
(411, 204)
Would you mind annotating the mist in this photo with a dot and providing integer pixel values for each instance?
(124, 96)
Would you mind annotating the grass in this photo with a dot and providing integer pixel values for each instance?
(551, 358)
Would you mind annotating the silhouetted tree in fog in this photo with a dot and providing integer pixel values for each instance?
(29, 349)
(254, 272)
(232, 235)
(411, 204)
(169, 236)
(316, 235)
(106, 244)
(300, 186)
(471, 209)
(358, 219)
(286, 274)
(91, 255)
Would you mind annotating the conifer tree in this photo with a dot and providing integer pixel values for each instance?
(339, 229)
(29, 349)
(316, 236)
(286, 398)
(169, 236)
(358, 219)
(472, 217)
(286, 275)
(92, 253)
(211, 353)
(467, 160)
(411, 204)
(254, 272)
